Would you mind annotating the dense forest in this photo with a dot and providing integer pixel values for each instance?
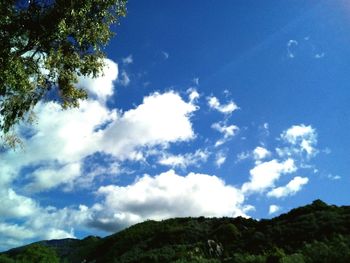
(314, 233)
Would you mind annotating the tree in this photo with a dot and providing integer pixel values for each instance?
(38, 254)
(45, 45)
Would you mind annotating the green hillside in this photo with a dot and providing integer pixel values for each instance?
(314, 233)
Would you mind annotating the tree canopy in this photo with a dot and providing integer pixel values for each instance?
(45, 45)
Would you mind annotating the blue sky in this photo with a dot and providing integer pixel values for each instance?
(214, 108)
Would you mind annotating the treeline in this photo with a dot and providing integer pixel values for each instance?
(313, 233)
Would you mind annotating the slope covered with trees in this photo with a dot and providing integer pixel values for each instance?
(314, 233)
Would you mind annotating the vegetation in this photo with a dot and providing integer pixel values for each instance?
(33, 253)
(313, 233)
(46, 45)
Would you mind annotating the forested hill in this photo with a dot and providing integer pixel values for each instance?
(313, 233)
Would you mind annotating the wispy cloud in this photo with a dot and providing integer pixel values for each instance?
(220, 158)
(291, 45)
(306, 47)
(319, 55)
(195, 81)
(165, 55)
(124, 79)
(128, 60)
(184, 160)
(228, 132)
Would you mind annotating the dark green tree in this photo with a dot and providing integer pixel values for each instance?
(46, 45)
(6, 259)
(38, 254)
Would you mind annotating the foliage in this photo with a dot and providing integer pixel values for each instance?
(46, 45)
(6, 259)
(37, 253)
(316, 233)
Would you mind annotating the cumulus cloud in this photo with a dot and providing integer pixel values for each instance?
(60, 140)
(32, 221)
(45, 178)
(260, 153)
(159, 120)
(63, 139)
(184, 160)
(164, 196)
(302, 139)
(294, 186)
(273, 209)
(102, 86)
(193, 95)
(13, 231)
(215, 104)
(16, 206)
(264, 175)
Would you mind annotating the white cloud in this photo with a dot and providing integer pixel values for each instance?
(59, 139)
(16, 206)
(249, 208)
(297, 132)
(62, 140)
(264, 175)
(274, 209)
(45, 178)
(184, 160)
(15, 231)
(302, 139)
(37, 222)
(193, 95)
(260, 153)
(159, 120)
(164, 196)
(294, 186)
(319, 55)
(54, 233)
(101, 87)
(228, 131)
(228, 108)
(220, 158)
(333, 177)
(128, 60)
